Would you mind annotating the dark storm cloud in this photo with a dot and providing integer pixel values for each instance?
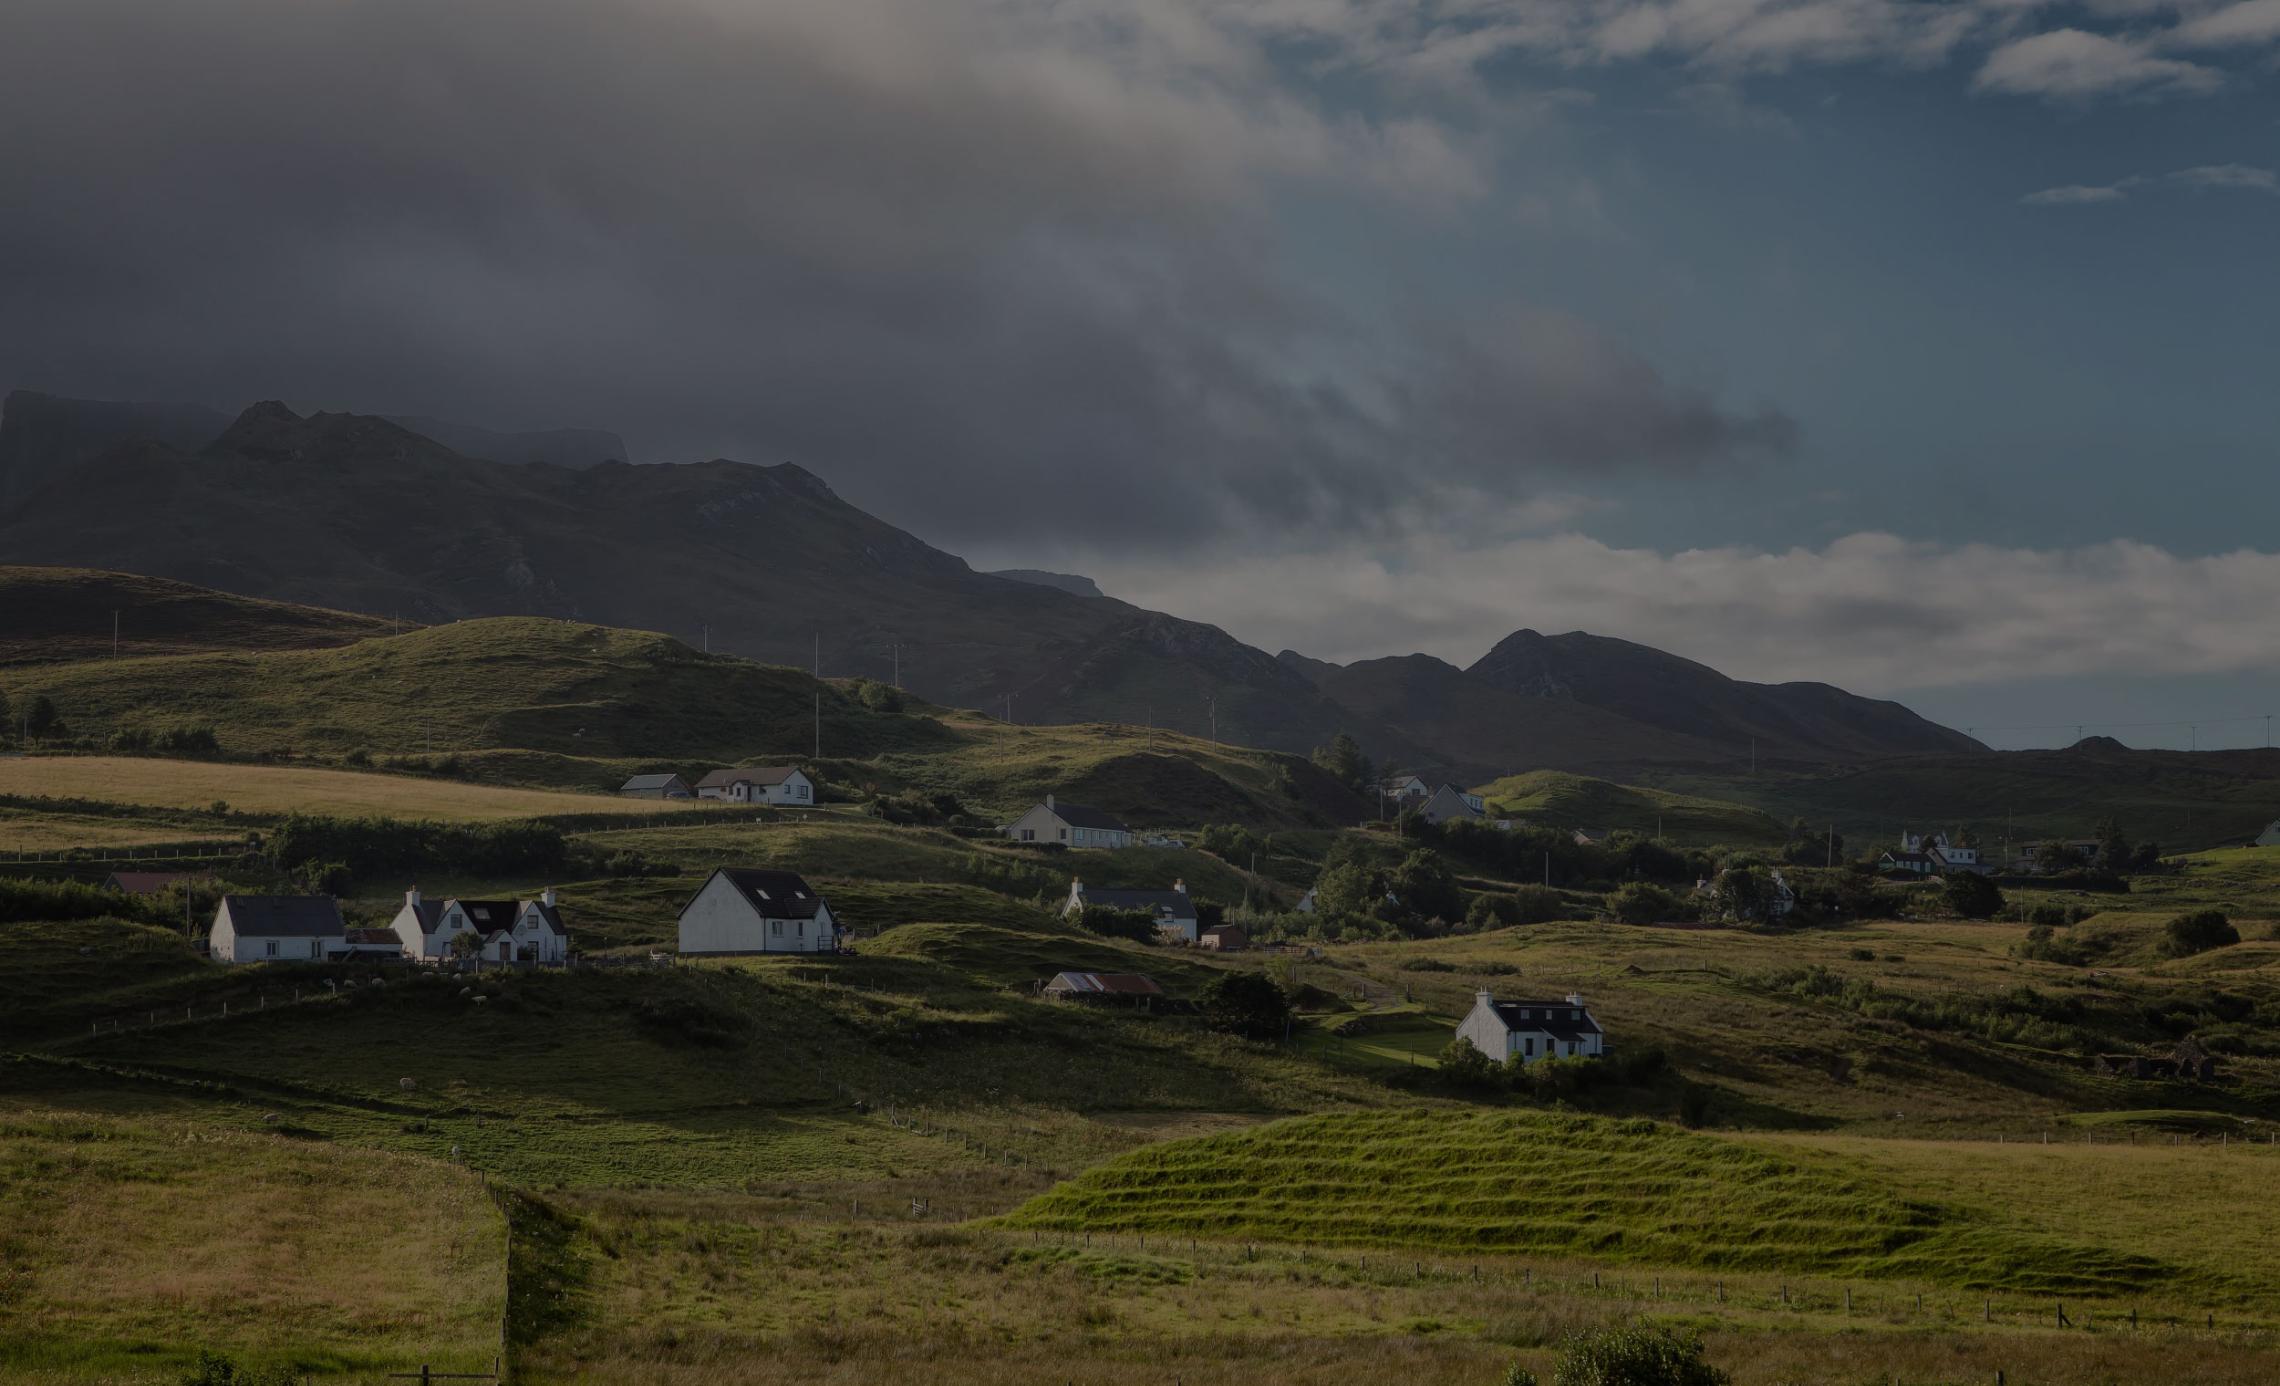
(993, 269)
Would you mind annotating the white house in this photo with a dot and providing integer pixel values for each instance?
(1908, 863)
(276, 928)
(1531, 1029)
(2270, 837)
(1074, 825)
(1404, 787)
(783, 785)
(742, 910)
(503, 930)
(1173, 910)
(1945, 855)
(1305, 903)
(655, 787)
(1449, 803)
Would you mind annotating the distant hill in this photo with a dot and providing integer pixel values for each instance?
(1064, 582)
(50, 615)
(1799, 721)
(363, 514)
(1557, 800)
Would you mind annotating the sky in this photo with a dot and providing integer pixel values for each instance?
(1922, 348)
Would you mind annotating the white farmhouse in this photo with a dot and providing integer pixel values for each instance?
(503, 930)
(1073, 825)
(276, 928)
(1531, 1029)
(2270, 837)
(782, 785)
(741, 910)
(1174, 912)
(1450, 803)
(1943, 854)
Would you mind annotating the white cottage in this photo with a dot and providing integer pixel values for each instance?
(786, 786)
(1531, 1029)
(503, 930)
(1174, 912)
(740, 910)
(1451, 804)
(276, 928)
(1072, 825)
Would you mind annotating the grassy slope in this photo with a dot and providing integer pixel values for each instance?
(1562, 1186)
(132, 1243)
(275, 789)
(53, 615)
(1554, 799)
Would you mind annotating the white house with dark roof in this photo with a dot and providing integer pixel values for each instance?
(504, 930)
(1072, 825)
(276, 928)
(1451, 804)
(1173, 910)
(741, 910)
(782, 785)
(1531, 1030)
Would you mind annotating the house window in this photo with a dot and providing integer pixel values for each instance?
(1064, 834)
(1028, 834)
(800, 928)
(803, 791)
(1528, 1047)
(776, 927)
(273, 948)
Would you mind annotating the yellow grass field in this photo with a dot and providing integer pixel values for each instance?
(28, 830)
(131, 1245)
(186, 784)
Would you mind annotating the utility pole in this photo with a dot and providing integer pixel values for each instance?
(708, 637)
(1547, 868)
(1213, 702)
(1753, 757)
(819, 654)
(819, 721)
(898, 666)
(1832, 846)
(114, 635)
(1009, 709)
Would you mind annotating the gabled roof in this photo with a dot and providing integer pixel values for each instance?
(1086, 816)
(650, 782)
(150, 882)
(1559, 1019)
(756, 774)
(284, 916)
(1178, 903)
(772, 894)
(1909, 859)
(549, 916)
(1105, 984)
(489, 916)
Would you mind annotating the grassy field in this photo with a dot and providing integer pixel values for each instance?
(56, 615)
(1555, 799)
(129, 1244)
(273, 789)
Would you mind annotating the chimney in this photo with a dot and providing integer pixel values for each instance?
(412, 897)
(1484, 998)
(1048, 801)
(1575, 998)
(1180, 886)
(546, 897)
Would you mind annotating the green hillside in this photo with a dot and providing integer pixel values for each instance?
(1553, 799)
(1560, 1186)
(54, 615)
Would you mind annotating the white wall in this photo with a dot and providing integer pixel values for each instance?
(721, 920)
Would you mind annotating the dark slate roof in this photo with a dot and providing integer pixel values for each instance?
(773, 894)
(649, 782)
(284, 916)
(551, 917)
(1178, 902)
(1085, 816)
(489, 916)
(757, 774)
(1571, 1021)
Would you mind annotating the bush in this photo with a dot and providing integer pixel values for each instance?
(880, 697)
(1530, 904)
(374, 846)
(2198, 932)
(1634, 1355)
(1247, 1004)
(1465, 1067)
(56, 901)
(1641, 903)
(1972, 896)
(213, 1369)
(1426, 965)
(1136, 925)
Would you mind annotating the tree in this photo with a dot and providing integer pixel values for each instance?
(1248, 1004)
(7, 716)
(1972, 896)
(1343, 758)
(2113, 845)
(2198, 932)
(1136, 925)
(1426, 888)
(1530, 904)
(1463, 1066)
(1741, 893)
(466, 944)
(1634, 1355)
(1641, 903)
(39, 717)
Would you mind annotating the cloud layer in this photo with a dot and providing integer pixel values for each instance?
(2203, 178)
(1869, 612)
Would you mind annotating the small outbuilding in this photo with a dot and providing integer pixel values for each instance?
(1114, 988)
(786, 786)
(276, 928)
(656, 787)
(1224, 938)
(743, 910)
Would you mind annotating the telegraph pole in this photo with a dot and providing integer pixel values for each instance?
(1213, 703)
(114, 635)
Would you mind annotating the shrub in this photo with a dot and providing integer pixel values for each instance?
(2198, 932)
(213, 1369)
(1426, 965)
(1517, 1375)
(372, 846)
(56, 901)
(1641, 903)
(1247, 1004)
(1137, 925)
(1972, 896)
(880, 697)
(1530, 904)
(1464, 1067)
(1634, 1355)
